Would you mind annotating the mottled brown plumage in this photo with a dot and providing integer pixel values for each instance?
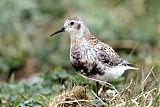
(91, 57)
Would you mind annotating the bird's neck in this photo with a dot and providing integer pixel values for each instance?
(78, 38)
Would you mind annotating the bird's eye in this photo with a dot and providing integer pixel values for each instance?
(72, 23)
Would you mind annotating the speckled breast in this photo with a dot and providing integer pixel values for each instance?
(84, 60)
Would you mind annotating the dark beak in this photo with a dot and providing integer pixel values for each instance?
(59, 31)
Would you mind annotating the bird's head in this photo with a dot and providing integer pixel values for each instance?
(74, 26)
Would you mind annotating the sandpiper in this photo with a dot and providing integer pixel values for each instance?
(91, 57)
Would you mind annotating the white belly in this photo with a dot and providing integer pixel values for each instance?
(111, 73)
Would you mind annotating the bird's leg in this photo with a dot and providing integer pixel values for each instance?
(100, 90)
(97, 87)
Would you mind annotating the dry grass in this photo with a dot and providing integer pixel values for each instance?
(71, 98)
(136, 93)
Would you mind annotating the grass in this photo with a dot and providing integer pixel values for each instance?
(54, 89)
(132, 95)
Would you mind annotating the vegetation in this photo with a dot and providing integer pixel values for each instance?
(35, 69)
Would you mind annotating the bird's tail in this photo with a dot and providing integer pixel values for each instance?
(131, 66)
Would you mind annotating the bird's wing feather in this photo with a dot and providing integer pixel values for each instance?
(105, 53)
(108, 56)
